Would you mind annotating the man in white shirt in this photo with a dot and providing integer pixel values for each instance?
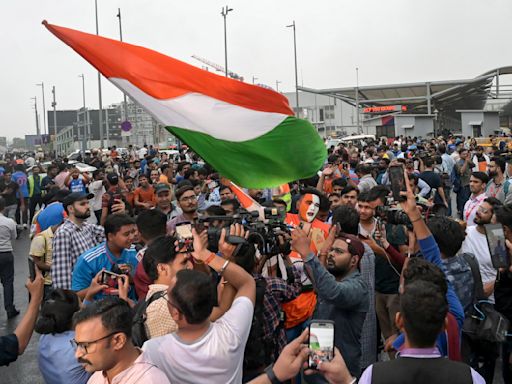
(201, 351)
(7, 235)
(476, 243)
(477, 186)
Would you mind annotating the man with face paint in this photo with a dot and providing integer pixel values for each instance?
(299, 310)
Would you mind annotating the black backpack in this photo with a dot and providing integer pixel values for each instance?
(139, 334)
(255, 356)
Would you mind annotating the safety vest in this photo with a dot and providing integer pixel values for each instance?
(31, 185)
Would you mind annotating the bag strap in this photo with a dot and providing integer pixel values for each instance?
(478, 289)
(155, 296)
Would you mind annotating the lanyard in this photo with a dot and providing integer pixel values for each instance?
(473, 206)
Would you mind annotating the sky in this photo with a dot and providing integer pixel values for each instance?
(389, 41)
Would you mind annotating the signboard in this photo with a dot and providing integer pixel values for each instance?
(126, 128)
(385, 109)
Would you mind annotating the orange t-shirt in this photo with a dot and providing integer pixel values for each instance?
(145, 195)
(302, 307)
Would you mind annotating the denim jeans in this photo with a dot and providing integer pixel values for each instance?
(7, 279)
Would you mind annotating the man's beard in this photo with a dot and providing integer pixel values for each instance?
(493, 174)
(480, 221)
(84, 215)
(336, 270)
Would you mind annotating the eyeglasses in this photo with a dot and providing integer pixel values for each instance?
(189, 198)
(483, 210)
(85, 345)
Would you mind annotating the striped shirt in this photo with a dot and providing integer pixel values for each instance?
(69, 242)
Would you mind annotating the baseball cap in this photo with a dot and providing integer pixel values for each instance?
(160, 187)
(76, 196)
(113, 178)
(355, 246)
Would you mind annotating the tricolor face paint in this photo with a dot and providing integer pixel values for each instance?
(309, 207)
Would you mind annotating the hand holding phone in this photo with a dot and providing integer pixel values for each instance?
(321, 342)
(497, 246)
(396, 176)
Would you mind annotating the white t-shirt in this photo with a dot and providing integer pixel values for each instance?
(217, 357)
(142, 152)
(476, 243)
(96, 187)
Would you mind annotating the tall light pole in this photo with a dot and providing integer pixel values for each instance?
(125, 104)
(99, 83)
(86, 122)
(38, 131)
(359, 129)
(277, 85)
(254, 79)
(224, 13)
(44, 107)
(296, 73)
(54, 105)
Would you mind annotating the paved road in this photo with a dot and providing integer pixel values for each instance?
(25, 369)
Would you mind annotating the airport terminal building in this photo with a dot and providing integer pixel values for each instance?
(481, 106)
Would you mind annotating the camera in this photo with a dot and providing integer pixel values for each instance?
(393, 216)
(267, 234)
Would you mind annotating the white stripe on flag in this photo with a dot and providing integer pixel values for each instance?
(200, 113)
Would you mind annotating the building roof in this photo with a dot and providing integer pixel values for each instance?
(474, 92)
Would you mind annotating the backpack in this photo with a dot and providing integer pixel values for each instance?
(139, 334)
(255, 356)
(455, 179)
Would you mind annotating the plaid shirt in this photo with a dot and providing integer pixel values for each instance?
(369, 331)
(277, 291)
(69, 242)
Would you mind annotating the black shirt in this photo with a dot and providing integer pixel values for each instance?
(8, 191)
(434, 181)
(9, 348)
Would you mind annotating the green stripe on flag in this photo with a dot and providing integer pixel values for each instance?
(293, 150)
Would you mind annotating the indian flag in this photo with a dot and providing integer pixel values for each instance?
(247, 133)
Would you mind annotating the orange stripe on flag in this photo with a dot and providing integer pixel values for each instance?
(162, 76)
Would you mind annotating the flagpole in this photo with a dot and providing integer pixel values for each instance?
(224, 14)
(125, 104)
(296, 72)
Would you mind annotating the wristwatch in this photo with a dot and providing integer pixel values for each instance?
(269, 371)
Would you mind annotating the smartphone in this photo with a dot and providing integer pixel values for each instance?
(497, 247)
(345, 166)
(109, 278)
(212, 185)
(321, 342)
(184, 231)
(396, 176)
(31, 268)
(117, 196)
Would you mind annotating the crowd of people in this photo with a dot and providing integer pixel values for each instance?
(149, 269)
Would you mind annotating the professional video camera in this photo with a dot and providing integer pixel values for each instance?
(394, 216)
(268, 234)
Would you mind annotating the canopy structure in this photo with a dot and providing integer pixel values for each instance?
(422, 97)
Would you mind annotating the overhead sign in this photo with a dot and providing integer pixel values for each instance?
(385, 109)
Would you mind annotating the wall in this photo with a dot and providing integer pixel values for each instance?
(422, 125)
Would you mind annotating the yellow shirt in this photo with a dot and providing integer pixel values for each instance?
(41, 247)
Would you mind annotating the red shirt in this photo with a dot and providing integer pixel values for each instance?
(141, 278)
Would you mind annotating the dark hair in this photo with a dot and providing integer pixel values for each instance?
(500, 162)
(2, 204)
(190, 172)
(215, 210)
(363, 169)
(334, 194)
(181, 165)
(423, 308)
(420, 269)
(325, 204)
(493, 202)
(57, 312)
(151, 223)
(181, 190)
(96, 173)
(414, 178)
(235, 202)
(428, 162)
(364, 197)
(280, 201)
(449, 235)
(378, 192)
(223, 187)
(161, 251)
(184, 183)
(193, 295)
(113, 223)
(340, 182)
(348, 189)
(482, 176)
(348, 219)
(115, 313)
(504, 215)
(246, 257)
(202, 171)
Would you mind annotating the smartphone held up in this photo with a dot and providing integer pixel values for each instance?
(321, 342)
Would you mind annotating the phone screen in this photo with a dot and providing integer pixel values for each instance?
(184, 231)
(321, 342)
(396, 176)
(109, 278)
(497, 247)
(31, 268)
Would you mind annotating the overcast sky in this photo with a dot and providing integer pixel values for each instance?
(390, 41)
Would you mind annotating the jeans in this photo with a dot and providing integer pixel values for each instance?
(7, 279)
(35, 200)
(22, 215)
(462, 196)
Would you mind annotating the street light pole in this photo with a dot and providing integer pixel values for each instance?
(296, 72)
(277, 85)
(86, 122)
(38, 131)
(54, 105)
(125, 104)
(254, 79)
(359, 129)
(44, 107)
(99, 83)
(224, 13)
